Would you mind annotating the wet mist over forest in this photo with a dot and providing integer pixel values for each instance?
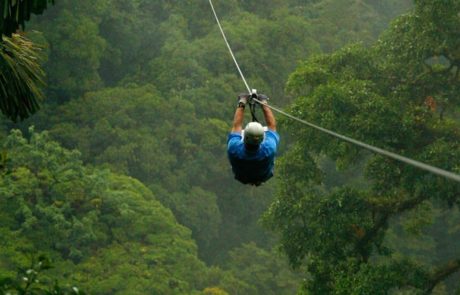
(119, 183)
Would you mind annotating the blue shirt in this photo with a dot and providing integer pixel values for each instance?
(252, 167)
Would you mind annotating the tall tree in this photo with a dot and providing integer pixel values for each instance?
(106, 231)
(402, 95)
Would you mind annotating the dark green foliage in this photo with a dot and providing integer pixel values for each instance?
(29, 281)
(73, 38)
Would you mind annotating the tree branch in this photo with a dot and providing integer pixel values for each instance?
(409, 204)
(442, 273)
(371, 234)
(386, 212)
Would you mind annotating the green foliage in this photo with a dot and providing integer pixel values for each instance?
(172, 44)
(388, 96)
(74, 38)
(378, 279)
(287, 37)
(214, 291)
(28, 281)
(163, 143)
(265, 271)
(163, 119)
(158, 48)
(337, 23)
(154, 140)
(99, 228)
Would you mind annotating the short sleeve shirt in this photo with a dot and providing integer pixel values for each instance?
(250, 167)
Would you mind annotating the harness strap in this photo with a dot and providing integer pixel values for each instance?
(252, 105)
(252, 108)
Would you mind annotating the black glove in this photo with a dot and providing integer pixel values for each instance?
(243, 100)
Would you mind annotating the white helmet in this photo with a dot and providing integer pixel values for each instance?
(254, 133)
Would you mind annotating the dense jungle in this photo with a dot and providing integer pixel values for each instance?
(114, 176)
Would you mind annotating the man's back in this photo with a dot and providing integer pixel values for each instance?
(252, 167)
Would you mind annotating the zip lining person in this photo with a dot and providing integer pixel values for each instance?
(252, 151)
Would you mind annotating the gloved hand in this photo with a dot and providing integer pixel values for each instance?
(263, 98)
(243, 99)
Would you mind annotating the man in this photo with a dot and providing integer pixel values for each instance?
(252, 152)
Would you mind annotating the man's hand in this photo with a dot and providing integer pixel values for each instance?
(263, 99)
(243, 100)
(239, 113)
(268, 114)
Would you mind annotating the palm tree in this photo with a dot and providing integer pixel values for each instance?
(15, 13)
(21, 77)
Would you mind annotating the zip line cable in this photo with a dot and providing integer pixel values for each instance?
(229, 48)
(414, 163)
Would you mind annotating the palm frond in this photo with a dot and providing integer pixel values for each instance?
(21, 77)
(15, 13)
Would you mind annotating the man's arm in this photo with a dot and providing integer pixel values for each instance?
(269, 117)
(238, 119)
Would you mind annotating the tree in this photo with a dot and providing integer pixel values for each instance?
(157, 140)
(106, 232)
(75, 48)
(266, 271)
(405, 83)
(337, 23)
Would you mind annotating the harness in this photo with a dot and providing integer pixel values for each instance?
(246, 169)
